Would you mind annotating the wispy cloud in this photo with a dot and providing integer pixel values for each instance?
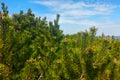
(109, 29)
(79, 13)
(77, 9)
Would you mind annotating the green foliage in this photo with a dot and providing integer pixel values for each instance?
(32, 48)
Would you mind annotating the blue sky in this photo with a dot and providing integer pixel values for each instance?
(76, 15)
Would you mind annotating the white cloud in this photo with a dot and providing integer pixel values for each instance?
(69, 6)
(47, 3)
(109, 29)
(77, 10)
(78, 22)
(79, 13)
